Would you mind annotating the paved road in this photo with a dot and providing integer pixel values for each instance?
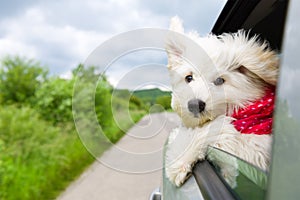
(131, 169)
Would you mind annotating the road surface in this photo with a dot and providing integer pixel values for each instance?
(129, 170)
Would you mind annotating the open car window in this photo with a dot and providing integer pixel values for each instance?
(244, 180)
(189, 190)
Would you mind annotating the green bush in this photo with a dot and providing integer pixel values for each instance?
(164, 101)
(53, 100)
(136, 103)
(103, 104)
(89, 100)
(37, 160)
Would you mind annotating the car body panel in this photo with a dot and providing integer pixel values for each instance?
(284, 175)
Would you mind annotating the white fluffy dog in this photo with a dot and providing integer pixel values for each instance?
(216, 97)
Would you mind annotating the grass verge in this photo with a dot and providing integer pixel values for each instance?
(38, 160)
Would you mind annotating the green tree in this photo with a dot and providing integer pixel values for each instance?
(19, 79)
(87, 76)
(53, 100)
(136, 101)
(164, 101)
(54, 97)
(103, 103)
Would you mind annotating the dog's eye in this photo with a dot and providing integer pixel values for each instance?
(219, 81)
(189, 78)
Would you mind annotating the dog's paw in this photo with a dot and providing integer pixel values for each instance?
(178, 173)
(230, 174)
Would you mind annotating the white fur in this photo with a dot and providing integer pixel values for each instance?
(247, 66)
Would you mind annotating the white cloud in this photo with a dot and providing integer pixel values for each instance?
(11, 47)
(61, 48)
(61, 34)
(143, 76)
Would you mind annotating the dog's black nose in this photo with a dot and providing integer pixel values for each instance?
(196, 106)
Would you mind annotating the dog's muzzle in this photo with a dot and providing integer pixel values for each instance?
(196, 106)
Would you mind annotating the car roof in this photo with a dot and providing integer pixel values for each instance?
(263, 17)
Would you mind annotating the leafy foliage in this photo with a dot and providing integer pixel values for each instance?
(136, 101)
(86, 77)
(164, 101)
(53, 100)
(19, 79)
(103, 103)
(34, 155)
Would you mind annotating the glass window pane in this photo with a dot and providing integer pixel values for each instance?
(245, 180)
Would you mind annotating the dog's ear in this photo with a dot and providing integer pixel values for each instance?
(254, 55)
(175, 52)
(174, 47)
(267, 69)
(176, 25)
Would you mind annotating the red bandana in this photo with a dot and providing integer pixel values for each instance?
(256, 118)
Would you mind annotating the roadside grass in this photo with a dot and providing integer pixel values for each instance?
(38, 160)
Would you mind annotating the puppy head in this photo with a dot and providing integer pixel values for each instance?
(248, 67)
(232, 71)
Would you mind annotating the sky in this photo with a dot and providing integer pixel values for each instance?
(62, 34)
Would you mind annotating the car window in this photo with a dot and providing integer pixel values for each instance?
(243, 179)
(187, 191)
